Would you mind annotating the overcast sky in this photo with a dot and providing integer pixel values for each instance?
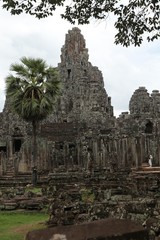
(124, 69)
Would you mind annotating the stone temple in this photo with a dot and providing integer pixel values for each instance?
(82, 132)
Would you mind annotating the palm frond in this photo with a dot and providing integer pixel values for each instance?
(32, 88)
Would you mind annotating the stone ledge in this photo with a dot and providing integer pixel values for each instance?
(106, 229)
(146, 169)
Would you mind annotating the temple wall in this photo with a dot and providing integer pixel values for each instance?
(82, 131)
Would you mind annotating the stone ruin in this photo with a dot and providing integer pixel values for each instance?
(83, 145)
(97, 230)
(82, 133)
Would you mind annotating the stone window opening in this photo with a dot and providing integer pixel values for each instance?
(149, 127)
(71, 146)
(109, 100)
(61, 146)
(17, 143)
(70, 105)
(3, 149)
(69, 73)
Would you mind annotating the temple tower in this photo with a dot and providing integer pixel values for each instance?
(84, 98)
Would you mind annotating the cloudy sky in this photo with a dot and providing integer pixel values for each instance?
(123, 69)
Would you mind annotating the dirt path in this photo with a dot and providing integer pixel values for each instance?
(24, 228)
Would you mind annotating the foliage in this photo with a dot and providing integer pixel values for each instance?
(32, 90)
(15, 225)
(134, 20)
(33, 190)
(87, 195)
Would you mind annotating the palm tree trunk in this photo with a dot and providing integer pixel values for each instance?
(34, 152)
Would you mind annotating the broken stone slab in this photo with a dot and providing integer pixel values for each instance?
(8, 204)
(118, 198)
(106, 229)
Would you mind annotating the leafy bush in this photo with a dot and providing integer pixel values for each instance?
(87, 195)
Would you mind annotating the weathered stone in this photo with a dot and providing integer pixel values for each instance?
(82, 132)
(109, 229)
(121, 198)
(8, 204)
(81, 145)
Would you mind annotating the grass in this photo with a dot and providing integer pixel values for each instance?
(15, 225)
(33, 189)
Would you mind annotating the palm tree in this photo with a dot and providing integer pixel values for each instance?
(32, 90)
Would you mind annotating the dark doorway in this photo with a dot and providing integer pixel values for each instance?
(149, 127)
(17, 143)
(69, 72)
(3, 148)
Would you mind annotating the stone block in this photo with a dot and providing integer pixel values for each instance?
(107, 229)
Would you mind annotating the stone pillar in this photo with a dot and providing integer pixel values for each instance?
(142, 149)
(123, 152)
(1, 166)
(95, 153)
(78, 156)
(22, 167)
(66, 155)
(10, 149)
(158, 151)
(138, 152)
(120, 155)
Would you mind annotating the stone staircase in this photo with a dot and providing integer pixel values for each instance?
(11, 180)
(21, 179)
(10, 172)
(145, 168)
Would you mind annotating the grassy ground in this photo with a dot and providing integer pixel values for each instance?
(15, 225)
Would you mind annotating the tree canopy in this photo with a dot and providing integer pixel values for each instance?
(32, 88)
(135, 20)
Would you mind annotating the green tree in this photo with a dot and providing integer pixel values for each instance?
(32, 90)
(134, 19)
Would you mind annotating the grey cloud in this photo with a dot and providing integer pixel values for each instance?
(123, 69)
